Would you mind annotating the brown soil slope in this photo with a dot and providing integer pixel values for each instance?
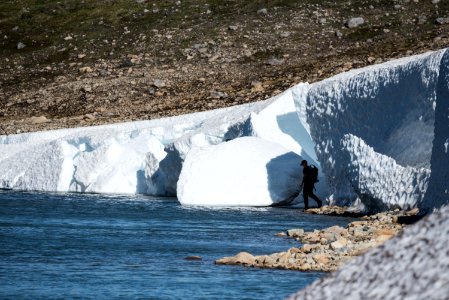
(74, 63)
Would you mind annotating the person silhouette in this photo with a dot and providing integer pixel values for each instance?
(308, 184)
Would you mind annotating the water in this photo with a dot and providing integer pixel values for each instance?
(96, 246)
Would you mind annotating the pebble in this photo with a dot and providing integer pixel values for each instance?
(217, 94)
(39, 120)
(20, 45)
(159, 83)
(275, 61)
(354, 22)
(193, 257)
(85, 70)
(442, 21)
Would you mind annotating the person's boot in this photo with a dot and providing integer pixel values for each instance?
(320, 203)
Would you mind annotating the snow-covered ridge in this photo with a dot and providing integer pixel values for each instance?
(378, 135)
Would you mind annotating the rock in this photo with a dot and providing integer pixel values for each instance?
(383, 238)
(20, 45)
(218, 95)
(243, 258)
(413, 212)
(354, 22)
(275, 61)
(337, 230)
(159, 83)
(89, 117)
(435, 1)
(294, 250)
(256, 87)
(295, 232)
(321, 259)
(371, 59)
(86, 89)
(266, 261)
(384, 231)
(81, 56)
(285, 34)
(338, 34)
(280, 234)
(85, 70)
(233, 27)
(68, 38)
(39, 120)
(306, 248)
(193, 257)
(340, 243)
(262, 11)
(421, 20)
(442, 21)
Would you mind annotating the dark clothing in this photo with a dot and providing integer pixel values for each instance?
(307, 176)
(307, 191)
(308, 186)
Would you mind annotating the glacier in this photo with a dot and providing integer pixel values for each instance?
(378, 134)
(374, 130)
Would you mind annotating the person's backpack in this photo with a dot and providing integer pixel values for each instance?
(314, 173)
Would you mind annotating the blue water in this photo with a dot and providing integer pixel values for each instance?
(96, 246)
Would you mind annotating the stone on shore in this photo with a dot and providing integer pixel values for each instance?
(243, 258)
(413, 265)
(328, 249)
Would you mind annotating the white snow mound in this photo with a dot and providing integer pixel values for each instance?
(247, 171)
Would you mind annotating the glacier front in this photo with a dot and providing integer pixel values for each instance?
(379, 136)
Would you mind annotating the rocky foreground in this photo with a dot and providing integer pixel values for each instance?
(414, 265)
(328, 249)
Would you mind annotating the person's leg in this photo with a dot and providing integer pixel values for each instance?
(314, 197)
(305, 194)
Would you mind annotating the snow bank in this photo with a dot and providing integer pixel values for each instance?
(413, 265)
(138, 157)
(373, 129)
(274, 120)
(247, 171)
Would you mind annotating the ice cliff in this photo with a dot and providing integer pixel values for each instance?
(379, 132)
(379, 135)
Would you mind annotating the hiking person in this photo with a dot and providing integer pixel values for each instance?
(308, 184)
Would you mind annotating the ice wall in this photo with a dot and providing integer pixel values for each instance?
(438, 191)
(373, 129)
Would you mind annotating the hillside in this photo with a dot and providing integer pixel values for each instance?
(74, 63)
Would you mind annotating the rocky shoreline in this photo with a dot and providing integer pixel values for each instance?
(328, 249)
